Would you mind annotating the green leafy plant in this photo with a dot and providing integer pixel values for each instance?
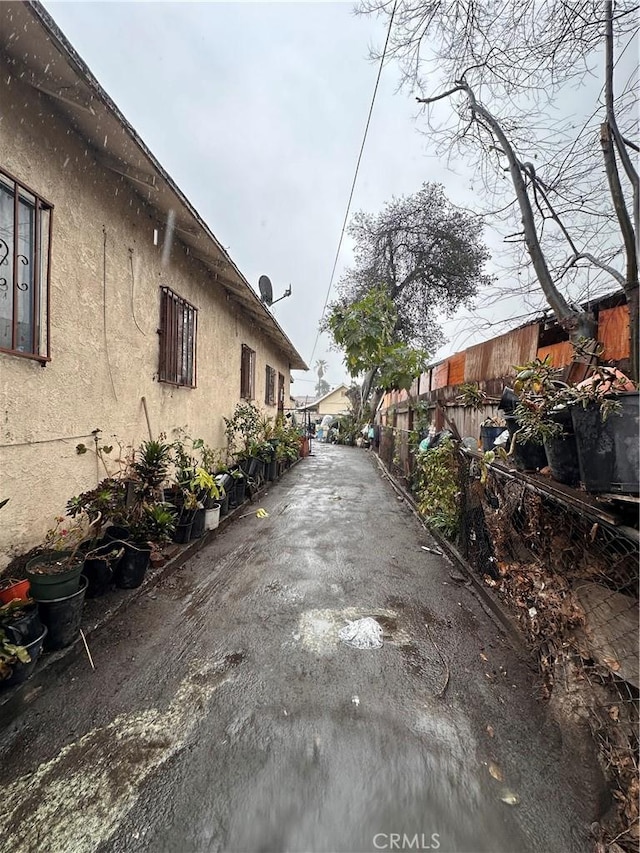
(10, 654)
(156, 523)
(242, 429)
(437, 486)
(107, 500)
(204, 484)
(541, 392)
(471, 396)
(150, 466)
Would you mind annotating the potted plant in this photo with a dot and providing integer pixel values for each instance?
(187, 506)
(605, 415)
(13, 589)
(150, 524)
(54, 574)
(17, 662)
(530, 424)
(20, 621)
(205, 486)
(242, 430)
(100, 565)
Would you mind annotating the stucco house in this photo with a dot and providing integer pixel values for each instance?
(119, 308)
(334, 402)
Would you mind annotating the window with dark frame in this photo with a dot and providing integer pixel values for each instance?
(280, 392)
(25, 249)
(247, 373)
(270, 386)
(178, 327)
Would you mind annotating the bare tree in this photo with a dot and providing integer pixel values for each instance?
(502, 66)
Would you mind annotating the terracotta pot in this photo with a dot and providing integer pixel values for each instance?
(10, 588)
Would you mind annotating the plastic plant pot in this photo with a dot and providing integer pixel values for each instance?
(10, 589)
(48, 585)
(133, 566)
(62, 617)
(23, 671)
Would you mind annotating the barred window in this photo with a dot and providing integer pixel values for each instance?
(270, 386)
(25, 247)
(178, 321)
(247, 373)
(280, 392)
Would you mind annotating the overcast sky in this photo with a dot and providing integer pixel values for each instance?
(257, 111)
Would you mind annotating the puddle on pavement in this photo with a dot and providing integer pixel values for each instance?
(318, 629)
(95, 780)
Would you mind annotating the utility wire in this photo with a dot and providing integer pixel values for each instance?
(355, 178)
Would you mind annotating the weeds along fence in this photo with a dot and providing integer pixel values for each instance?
(568, 569)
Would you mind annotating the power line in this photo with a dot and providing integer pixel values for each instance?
(355, 178)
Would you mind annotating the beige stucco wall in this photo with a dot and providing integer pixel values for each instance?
(96, 379)
(334, 404)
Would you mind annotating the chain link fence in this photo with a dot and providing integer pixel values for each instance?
(569, 573)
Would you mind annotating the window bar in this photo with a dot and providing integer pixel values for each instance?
(167, 337)
(178, 322)
(194, 350)
(184, 352)
(189, 348)
(174, 339)
(252, 376)
(163, 335)
(50, 220)
(35, 331)
(171, 342)
(14, 283)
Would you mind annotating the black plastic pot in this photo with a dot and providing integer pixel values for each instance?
(182, 533)
(23, 626)
(62, 617)
(527, 455)
(224, 505)
(225, 481)
(131, 570)
(488, 435)
(508, 401)
(240, 490)
(23, 671)
(256, 467)
(231, 494)
(117, 532)
(562, 452)
(608, 450)
(272, 470)
(197, 528)
(100, 565)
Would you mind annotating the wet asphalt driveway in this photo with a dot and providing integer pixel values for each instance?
(225, 715)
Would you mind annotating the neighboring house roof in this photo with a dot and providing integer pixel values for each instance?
(48, 62)
(317, 403)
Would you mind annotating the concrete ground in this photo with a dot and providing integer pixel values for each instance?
(225, 715)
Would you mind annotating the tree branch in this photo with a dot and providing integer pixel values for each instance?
(555, 299)
(627, 165)
(458, 88)
(614, 273)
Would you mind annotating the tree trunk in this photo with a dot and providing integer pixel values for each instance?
(610, 139)
(578, 324)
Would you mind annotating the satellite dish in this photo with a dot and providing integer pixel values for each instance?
(266, 291)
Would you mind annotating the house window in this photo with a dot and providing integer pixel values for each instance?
(25, 247)
(247, 373)
(178, 321)
(270, 387)
(280, 392)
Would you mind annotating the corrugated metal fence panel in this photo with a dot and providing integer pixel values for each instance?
(561, 354)
(497, 357)
(613, 332)
(440, 377)
(456, 368)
